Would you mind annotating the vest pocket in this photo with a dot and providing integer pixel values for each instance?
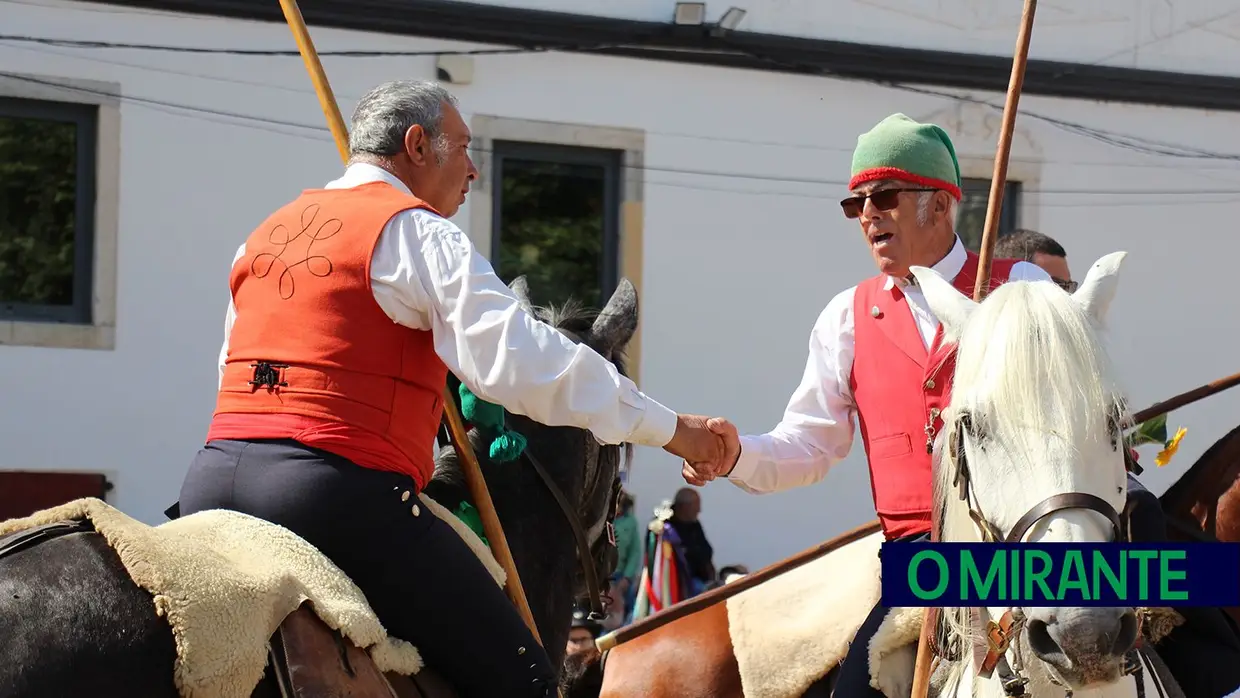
(894, 478)
(892, 446)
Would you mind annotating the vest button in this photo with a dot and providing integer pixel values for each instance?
(930, 384)
(404, 497)
(415, 510)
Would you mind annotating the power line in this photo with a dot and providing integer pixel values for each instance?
(78, 43)
(1128, 142)
(307, 130)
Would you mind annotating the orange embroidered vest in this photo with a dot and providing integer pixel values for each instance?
(312, 356)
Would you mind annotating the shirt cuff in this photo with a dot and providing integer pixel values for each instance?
(747, 462)
(657, 425)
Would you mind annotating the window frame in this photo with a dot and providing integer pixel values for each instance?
(612, 163)
(1009, 216)
(86, 118)
(100, 333)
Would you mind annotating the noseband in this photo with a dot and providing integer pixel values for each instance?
(1001, 634)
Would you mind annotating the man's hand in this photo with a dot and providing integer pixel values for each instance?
(709, 447)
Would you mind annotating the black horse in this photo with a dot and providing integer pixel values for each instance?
(72, 622)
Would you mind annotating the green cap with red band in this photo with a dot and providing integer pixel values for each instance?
(903, 149)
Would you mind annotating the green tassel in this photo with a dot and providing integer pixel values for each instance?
(508, 445)
(470, 517)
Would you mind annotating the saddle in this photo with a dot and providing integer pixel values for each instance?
(310, 660)
(306, 658)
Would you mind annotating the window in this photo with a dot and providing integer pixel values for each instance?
(24, 493)
(556, 219)
(971, 217)
(47, 210)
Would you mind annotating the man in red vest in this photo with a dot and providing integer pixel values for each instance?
(876, 354)
(350, 305)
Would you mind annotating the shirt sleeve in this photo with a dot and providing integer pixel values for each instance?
(230, 317)
(817, 428)
(426, 271)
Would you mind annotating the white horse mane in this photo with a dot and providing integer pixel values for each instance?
(1029, 357)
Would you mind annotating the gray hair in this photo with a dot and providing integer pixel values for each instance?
(923, 208)
(387, 112)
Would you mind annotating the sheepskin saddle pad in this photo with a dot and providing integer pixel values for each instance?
(790, 631)
(225, 581)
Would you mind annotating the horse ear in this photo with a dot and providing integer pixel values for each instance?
(950, 306)
(1098, 289)
(616, 323)
(521, 289)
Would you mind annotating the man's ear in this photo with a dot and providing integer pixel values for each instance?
(415, 144)
(942, 203)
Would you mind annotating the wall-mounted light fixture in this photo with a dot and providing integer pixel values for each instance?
(731, 18)
(690, 13)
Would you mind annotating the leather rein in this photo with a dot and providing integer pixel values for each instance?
(574, 521)
(1000, 635)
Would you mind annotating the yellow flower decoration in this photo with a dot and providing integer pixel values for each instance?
(1165, 455)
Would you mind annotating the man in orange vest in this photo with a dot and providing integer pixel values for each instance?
(350, 305)
(876, 353)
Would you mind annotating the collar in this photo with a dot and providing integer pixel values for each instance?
(360, 173)
(948, 267)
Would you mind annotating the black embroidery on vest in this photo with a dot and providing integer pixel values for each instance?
(267, 375)
(316, 265)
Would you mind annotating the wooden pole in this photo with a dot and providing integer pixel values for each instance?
(1186, 398)
(766, 574)
(990, 235)
(693, 605)
(456, 426)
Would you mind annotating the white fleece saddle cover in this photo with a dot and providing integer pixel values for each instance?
(225, 581)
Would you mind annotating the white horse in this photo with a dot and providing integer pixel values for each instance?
(1033, 416)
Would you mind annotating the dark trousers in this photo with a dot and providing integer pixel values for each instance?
(854, 676)
(423, 582)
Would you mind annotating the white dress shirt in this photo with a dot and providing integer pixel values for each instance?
(817, 428)
(427, 275)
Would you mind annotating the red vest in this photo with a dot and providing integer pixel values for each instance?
(900, 389)
(347, 379)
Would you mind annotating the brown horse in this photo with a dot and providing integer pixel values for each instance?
(693, 656)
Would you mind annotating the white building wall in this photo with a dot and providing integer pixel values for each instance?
(737, 264)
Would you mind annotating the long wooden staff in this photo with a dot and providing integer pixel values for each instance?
(766, 574)
(718, 594)
(990, 235)
(456, 426)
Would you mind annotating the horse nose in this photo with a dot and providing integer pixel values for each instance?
(1077, 637)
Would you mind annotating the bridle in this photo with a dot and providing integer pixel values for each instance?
(585, 554)
(1001, 635)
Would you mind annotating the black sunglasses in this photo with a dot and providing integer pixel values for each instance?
(1066, 284)
(883, 200)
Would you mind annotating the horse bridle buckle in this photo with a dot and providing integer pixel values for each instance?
(999, 639)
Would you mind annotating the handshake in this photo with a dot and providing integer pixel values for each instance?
(709, 445)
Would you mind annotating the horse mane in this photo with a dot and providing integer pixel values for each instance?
(1028, 358)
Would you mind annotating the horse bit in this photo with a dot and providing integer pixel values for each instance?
(1000, 635)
